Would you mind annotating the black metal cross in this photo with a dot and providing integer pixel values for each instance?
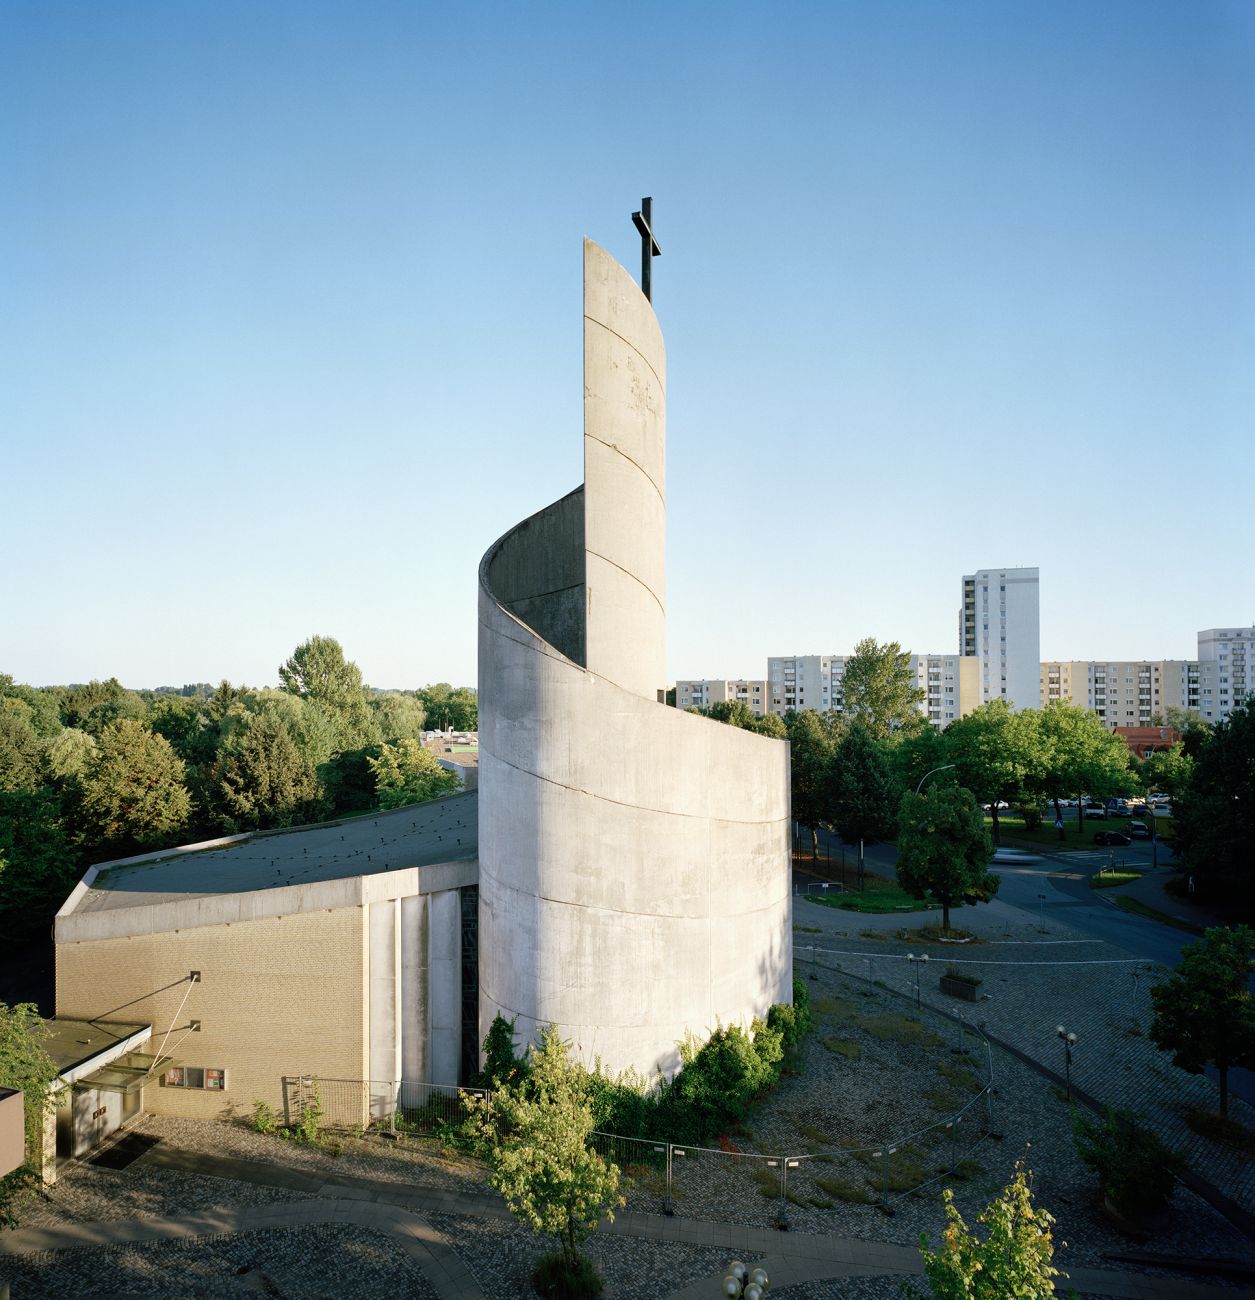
(644, 222)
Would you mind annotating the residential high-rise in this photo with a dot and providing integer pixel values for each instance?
(701, 694)
(1000, 626)
(1127, 693)
(1228, 654)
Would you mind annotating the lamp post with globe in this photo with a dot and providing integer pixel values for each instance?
(744, 1283)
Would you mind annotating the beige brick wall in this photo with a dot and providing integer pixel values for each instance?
(281, 995)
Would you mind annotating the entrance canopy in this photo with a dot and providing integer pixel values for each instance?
(82, 1047)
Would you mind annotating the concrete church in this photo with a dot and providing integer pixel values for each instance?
(622, 871)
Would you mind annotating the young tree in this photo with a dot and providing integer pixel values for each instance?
(27, 1068)
(1204, 1013)
(862, 793)
(133, 794)
(1014, 1260)
(401, 716)
(879, 691)
(1166, 769)
(537, 1135)
(943, 848)
(406, 773)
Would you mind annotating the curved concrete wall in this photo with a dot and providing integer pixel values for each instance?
(633, 859)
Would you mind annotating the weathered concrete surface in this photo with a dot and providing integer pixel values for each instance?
(633, 859)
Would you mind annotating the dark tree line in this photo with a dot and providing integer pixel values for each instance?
(96, 771)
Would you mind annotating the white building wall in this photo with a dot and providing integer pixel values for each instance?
(1227, 661)
(1000, 624)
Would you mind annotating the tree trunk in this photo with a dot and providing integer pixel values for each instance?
(1223, 1071)
(945, 916)
(814, 844)
(1080, 813)
(993, 812)
(1059, 817)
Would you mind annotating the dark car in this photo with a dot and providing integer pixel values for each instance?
(1112, 837)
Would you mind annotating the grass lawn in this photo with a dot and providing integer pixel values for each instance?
(1109, 879)
(878, 895)
(1141, 909)
(1014, 833)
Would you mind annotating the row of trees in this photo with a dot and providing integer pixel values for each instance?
(96, 771)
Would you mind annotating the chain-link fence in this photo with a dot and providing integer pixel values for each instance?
(718, 1182)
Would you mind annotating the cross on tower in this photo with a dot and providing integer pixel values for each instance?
(644, 222)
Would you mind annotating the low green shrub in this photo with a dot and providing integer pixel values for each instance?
(265, 1117)
(1136, 1171)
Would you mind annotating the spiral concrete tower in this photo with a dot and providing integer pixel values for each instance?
(634, 860)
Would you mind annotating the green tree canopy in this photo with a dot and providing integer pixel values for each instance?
(811, 748)
(1214, 815)
(26, 1067)
(45, 705)
(68, 755)
(878, 690)
(97, 705)
(447, 706)
(400, 715)
(863, 793)
(537, 1136)
(317, 670)
(997, 753)
(133, 794)
(1167, 770)
(1081, 757)
(739, 714)
(943, 848)
(20, 750)
(38, 867)
(406, 773)
(261, 778)
(1204, 1013)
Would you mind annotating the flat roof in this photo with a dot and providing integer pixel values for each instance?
(72, 1043)
(443, 830)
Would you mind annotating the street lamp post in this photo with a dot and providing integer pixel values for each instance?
(915, 961)
(1069, 1042)
(744, 1283)
(944, 767)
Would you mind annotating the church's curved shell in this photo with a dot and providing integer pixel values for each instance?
(633, 859)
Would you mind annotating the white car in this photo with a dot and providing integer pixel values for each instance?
(1014, 857)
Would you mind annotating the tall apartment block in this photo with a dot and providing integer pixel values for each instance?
(708, 691)
(1127, 693)
(1000, 626)
(1226, 654)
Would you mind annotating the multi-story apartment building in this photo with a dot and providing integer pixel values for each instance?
(1125, 693)
(708, 691)
(804, 682)
(1226, 659)
(951, 684)
(1000, 626)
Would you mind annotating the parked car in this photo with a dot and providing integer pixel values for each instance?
(1112, 837)
(1095, 810)
(1138, 830)
(1160, 798)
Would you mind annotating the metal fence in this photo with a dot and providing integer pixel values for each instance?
(363, 1105)
(700, 1182)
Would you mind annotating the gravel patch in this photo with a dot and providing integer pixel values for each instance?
(416, 1162)
(502, 1252)
(88, 1194)
(337, 1261)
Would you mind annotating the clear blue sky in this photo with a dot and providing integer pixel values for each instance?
(290, 319)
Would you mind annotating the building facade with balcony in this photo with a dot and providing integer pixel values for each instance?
(1000, 626)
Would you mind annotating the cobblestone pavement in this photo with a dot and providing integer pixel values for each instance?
(1034, 982)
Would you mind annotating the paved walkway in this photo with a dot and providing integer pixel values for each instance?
(1032, 983)
(396, 1209)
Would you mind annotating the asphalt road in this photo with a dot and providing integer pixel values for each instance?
(1056, 887)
